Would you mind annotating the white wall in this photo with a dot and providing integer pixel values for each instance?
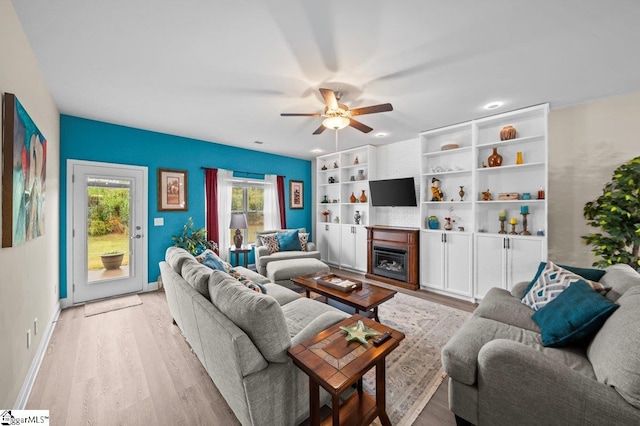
(29, 272)
(587, 143)
(398, 160)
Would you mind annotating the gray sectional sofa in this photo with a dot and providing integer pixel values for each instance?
(500, 373)
(241, 336)
(263, 257)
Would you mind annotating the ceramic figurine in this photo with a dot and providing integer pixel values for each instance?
(486, 195)
(356, 162)
(357, 217)
(436, 192)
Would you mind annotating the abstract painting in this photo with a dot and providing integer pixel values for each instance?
(23, 175)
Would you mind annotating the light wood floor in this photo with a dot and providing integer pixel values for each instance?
(132, 366)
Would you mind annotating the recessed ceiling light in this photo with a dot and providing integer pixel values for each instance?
(493, 105)
(316, 151)
(381, 134)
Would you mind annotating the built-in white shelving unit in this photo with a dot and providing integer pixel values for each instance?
(473, 257)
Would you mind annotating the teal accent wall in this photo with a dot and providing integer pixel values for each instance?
(82, 139)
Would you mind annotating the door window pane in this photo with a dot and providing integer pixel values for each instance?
(108, 212)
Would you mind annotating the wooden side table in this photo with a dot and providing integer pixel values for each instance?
(245, 250)
(335, 364)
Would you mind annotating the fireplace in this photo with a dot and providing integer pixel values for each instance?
(390, 262)
(393, 255)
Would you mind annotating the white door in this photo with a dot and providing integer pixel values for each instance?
(108, 220)
(347, 246)
(361, 248)
(333, 238)
(490, 252)
(458, 263)
(432, 259)
(525, 255)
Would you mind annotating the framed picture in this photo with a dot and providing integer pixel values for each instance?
(23, 175)
(172, 190)
(296, 194)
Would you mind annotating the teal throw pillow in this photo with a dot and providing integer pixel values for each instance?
(577, 313)
(289, 241)
(590, 274)
(214, 262)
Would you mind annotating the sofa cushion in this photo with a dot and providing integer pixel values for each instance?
(258, 315)
(304, 240)
(620, 278)
(577, 313)
(499, 305)
(589, 274)
(271, 242)
(615, 350)
(300, 312)
(197, 275)
(552, 281)
(460, 354)
(247, 282)
(176, 256)
(282, 294)
(288, 241)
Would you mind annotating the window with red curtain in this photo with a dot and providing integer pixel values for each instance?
(211, 188)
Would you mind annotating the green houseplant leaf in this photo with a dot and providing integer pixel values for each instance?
(193, 240)
(616, 214)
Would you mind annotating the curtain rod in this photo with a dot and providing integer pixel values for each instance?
(240, 171)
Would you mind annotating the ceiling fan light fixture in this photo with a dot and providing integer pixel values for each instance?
(335, 123)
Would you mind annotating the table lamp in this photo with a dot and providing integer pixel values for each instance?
(238, 222)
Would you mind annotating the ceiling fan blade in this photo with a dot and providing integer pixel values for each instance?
(295, 114)
(372, 109)
(319, 130)
(358, 125)
(329, 98)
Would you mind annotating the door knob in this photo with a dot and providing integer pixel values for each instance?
(137, 236)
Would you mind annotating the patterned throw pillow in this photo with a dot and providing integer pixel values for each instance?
(247, 282)
(270, 241)
(213, 259)
(304, 239)
(552, 281)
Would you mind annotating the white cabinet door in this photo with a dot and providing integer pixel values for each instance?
(524, 257)
(458, 278)
(490, 263)
(329, 242)
(348, 238)
(361, 248)
(432, 260)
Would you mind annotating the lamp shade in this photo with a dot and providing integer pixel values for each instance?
(238, 221)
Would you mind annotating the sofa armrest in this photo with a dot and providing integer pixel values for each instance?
(311, 246)
(259, 252)
(520, 385)
(518, 290)
(322, 322)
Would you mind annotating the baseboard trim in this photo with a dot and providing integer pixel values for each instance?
(27, 385)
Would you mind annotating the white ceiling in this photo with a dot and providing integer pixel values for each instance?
(223, 71)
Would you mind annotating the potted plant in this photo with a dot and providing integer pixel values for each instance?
(112, 259)
(617, 213)
(193, 240)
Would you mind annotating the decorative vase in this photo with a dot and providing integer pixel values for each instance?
(356, 162)
(325, 199)
(325, 218)
(507, 132)
(495, 159)
(357, 217)
(434, 224)
(361, 175)
(461, 193)
(353, 198)
(526, 195)
(112, 261)
(447, 224)
(519, 157)
(363, 198)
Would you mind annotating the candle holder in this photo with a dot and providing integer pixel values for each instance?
(502, 230)
(524, 224)
(513, 229)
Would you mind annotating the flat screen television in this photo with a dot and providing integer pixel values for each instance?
(393, 192)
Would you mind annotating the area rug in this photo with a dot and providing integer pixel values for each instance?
(102, 306)
(414, 370)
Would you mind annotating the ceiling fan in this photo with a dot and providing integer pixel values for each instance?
(338, 116)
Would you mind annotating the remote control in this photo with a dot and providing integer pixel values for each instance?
(381, 338)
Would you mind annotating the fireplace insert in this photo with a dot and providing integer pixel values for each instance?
(390, 262)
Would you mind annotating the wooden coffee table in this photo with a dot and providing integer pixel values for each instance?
(366, 299)
(335, 364)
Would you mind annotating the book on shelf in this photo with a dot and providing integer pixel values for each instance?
(339, 283)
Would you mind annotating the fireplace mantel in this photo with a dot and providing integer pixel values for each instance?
(400, 238)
